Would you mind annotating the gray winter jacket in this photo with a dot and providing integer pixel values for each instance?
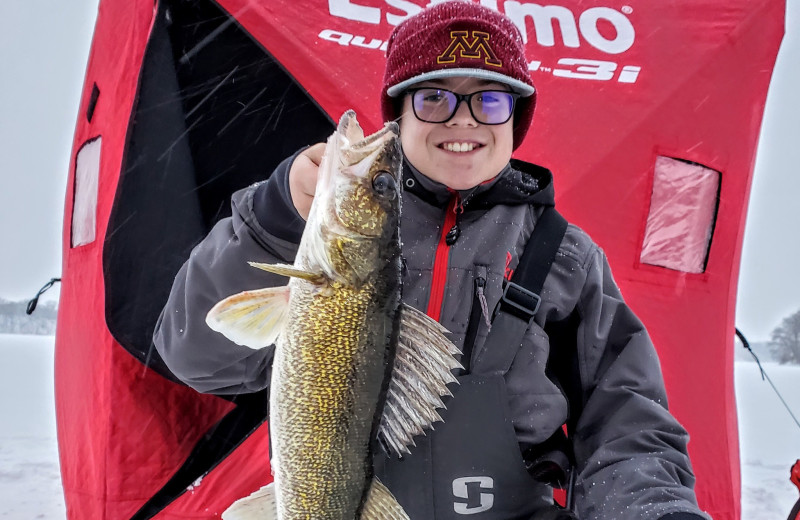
(631, 453)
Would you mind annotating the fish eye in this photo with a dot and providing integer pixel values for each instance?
(384, 185)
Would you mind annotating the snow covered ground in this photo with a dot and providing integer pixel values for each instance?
(30, 483)
(769, 439)
(29, 478)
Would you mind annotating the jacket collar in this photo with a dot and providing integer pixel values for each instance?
(517, 183)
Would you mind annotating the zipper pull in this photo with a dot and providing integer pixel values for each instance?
(455, 231)
(480, 283)
(452, 235)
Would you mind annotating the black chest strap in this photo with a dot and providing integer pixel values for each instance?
(521, 296)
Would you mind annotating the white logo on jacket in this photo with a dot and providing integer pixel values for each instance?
(472, 504)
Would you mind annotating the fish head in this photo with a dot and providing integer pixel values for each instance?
(367, 193)
(355, 216)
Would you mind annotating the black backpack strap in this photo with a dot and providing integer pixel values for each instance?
(521, 295)
(552, 461)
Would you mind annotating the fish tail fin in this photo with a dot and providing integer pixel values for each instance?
(381, 504)
(261, 505)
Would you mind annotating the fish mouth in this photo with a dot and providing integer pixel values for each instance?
(361, 155)
(354, 134)
(349, 128)
(389, 131)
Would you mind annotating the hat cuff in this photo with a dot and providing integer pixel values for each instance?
(520, 87)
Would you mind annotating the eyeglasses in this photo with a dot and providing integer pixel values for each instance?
(437, 105)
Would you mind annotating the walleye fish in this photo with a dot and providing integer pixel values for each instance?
(352, 364)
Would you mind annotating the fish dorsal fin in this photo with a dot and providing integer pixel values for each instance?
(251, 318)
(290, 271)
(422, 370)
(260, 505)
(380, 504)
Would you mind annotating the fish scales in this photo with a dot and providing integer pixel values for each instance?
(331, 368)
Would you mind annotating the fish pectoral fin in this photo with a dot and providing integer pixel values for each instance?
(261, 505)
(289, 271)
(381, 504)
(421, 373)
(251, 318)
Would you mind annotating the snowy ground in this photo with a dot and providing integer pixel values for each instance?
(769, 439)
(29, 478)
(30, 484)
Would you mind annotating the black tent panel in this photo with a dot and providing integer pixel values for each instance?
(214, 113)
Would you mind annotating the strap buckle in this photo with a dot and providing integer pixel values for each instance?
(522, 299)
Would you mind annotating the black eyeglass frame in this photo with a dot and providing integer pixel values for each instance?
(468, 99)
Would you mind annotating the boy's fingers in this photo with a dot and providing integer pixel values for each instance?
(306, 176)
(315, 153)
(303, 177)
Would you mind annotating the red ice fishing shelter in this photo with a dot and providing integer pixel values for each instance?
(648, 113)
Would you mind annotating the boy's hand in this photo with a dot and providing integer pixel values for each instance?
(303, 178)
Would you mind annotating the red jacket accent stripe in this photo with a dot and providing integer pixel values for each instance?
(439, 279)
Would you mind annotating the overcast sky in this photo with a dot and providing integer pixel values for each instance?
(44, 46)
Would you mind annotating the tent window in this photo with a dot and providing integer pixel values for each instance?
(683, 210)
(84, 202)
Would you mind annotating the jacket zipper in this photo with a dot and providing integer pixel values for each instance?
(449, 235)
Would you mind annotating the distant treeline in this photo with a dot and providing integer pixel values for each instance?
(14, 320)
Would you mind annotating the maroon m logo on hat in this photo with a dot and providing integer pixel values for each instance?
(470, 45)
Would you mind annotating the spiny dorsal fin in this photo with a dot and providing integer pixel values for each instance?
(421, 373)
(261, 505)
(251, 318)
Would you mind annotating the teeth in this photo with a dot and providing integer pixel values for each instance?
(459, 147)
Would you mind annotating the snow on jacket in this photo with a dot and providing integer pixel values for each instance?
(631, 453)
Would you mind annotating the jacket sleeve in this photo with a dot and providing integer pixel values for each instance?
(631, 453)
(264, 227)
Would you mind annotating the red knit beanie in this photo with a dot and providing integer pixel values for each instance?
(458, 38)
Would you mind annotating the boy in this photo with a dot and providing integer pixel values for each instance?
(457, 79)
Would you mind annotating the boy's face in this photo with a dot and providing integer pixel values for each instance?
(429, 146)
